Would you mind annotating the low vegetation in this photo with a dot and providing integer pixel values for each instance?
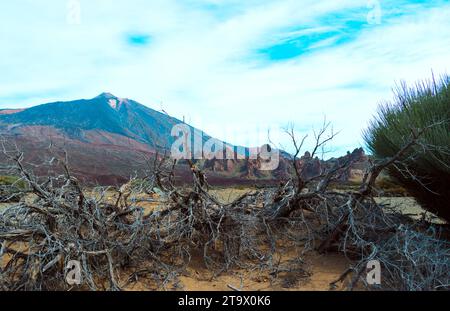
(424, 171)
(11, 189)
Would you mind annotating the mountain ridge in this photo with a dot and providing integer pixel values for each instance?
(128, 118)
(109, 138)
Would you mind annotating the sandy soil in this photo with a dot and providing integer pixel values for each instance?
(321, 271)
(324, 270)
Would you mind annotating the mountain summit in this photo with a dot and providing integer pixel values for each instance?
(107, 138)
(104, 113)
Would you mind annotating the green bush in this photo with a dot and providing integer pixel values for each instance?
(390, 187)
(428, 103)
(11, 188)
(11, 180)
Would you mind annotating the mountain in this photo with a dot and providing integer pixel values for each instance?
(108, 139)
(10, 111)
(82, 119)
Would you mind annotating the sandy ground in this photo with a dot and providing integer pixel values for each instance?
(323, 271)
(408, 206)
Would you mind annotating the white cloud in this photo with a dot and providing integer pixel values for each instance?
(202, 61)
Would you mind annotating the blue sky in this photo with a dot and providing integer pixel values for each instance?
(232, 68)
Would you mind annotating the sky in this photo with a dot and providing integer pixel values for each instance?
(236, 69)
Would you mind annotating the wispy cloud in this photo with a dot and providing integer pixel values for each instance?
(232, 68)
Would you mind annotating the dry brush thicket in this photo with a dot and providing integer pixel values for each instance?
(119, 242)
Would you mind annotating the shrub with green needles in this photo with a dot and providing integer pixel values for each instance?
(425, 172)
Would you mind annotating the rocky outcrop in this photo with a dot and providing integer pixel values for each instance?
(311, 167)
